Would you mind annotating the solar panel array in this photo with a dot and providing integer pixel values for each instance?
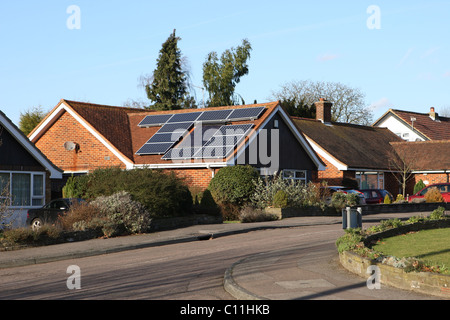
(175, 126)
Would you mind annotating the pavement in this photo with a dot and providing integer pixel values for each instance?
(318, 275)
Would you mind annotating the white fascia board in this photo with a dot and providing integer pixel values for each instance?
(199, 165)
(63, 107)
(339, 165)
(293, 129)
(30, 147)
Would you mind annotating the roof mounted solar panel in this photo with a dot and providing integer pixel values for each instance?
(185, 117)
(154, 148)
(176, 127)
(155, 120)
(214, 116)
(181, 153)
(246, 114)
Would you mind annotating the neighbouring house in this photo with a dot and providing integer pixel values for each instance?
(194, 143)
(350, 151)
(414, 126)
(429, 161)
(25, 173)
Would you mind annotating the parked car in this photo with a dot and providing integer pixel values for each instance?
(374, 196)
(327, 193)
(444, 188)
(49, 213)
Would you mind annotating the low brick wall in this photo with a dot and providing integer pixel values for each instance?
(423, 282)
(402, 207)
(302, 212)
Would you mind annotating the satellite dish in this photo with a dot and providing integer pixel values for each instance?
(70, 146)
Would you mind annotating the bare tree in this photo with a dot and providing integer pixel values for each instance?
(402, 165)
(445, 111)
(349, 104)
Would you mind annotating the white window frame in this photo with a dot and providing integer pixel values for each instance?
(33, 197)
(294, 176)
(380, 178)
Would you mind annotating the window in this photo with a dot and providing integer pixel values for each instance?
(370, 180)
(22, 189)
(297, 175)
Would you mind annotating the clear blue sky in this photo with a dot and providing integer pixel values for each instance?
(405, 64)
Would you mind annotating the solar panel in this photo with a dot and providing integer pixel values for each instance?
(155, 120)
(246, 114)
(172, 127)
(185, 117)
(214, 116)
(166, 137)
(223, 142)
(154, 148)
(180, 153)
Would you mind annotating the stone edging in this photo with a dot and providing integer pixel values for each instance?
(423, 282)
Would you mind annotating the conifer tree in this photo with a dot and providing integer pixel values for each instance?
(169, 87)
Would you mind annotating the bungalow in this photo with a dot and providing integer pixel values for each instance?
(414, 126)
(350, 151)
(194, 143)
(429, 161)
(25, 172)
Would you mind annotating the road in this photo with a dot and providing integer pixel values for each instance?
(183, 271)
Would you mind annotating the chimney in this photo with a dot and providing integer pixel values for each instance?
(323, 110)
(433, 114)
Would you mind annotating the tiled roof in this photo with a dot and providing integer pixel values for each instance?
(120, 126)
(356, 146)
(433, 130)
(425, 155)
(111, 122)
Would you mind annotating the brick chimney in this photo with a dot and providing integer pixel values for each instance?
(323, 110)
(433, 114)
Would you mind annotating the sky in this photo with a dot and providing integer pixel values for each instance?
(396, 52)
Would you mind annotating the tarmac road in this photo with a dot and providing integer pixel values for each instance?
(290, 259)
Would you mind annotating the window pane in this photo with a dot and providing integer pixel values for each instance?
(288, 174)
(4, 183)
(21, 189)
(38, 185)
(38, 202)
(300, 174)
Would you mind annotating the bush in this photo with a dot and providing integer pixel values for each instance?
(438, 214)
(387, 199)
(124, 215)
(163, 194)
(419, 186)
(434, 195)
(234, 185)
(250, 214)
(280, 200)
(47, 234)
(79, 213)
(204, 203)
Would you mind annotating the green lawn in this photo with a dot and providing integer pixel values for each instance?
(432, 246)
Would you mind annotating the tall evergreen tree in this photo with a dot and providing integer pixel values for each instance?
(221, 77)
(169, 87)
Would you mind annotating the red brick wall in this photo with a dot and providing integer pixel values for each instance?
(432, 178)
(331, 175)
(91, 155)
(197, 179)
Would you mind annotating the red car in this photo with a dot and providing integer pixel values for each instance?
(444, 188)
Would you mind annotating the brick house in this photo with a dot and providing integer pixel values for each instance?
(350, 151)
(414, 126)
(194, 143)
(25, 173)
(429, 160)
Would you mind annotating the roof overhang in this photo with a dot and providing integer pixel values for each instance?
(55, 172)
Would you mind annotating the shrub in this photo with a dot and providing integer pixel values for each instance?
(47, 234)
(438, 214)
(250, 214)
(79, 213)
(280, 200)
(434, 195)
(124, 215)
(340, 200)
(419, 186)
(387, 199)
(233, 185)
(163, 194)
(204, 203)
